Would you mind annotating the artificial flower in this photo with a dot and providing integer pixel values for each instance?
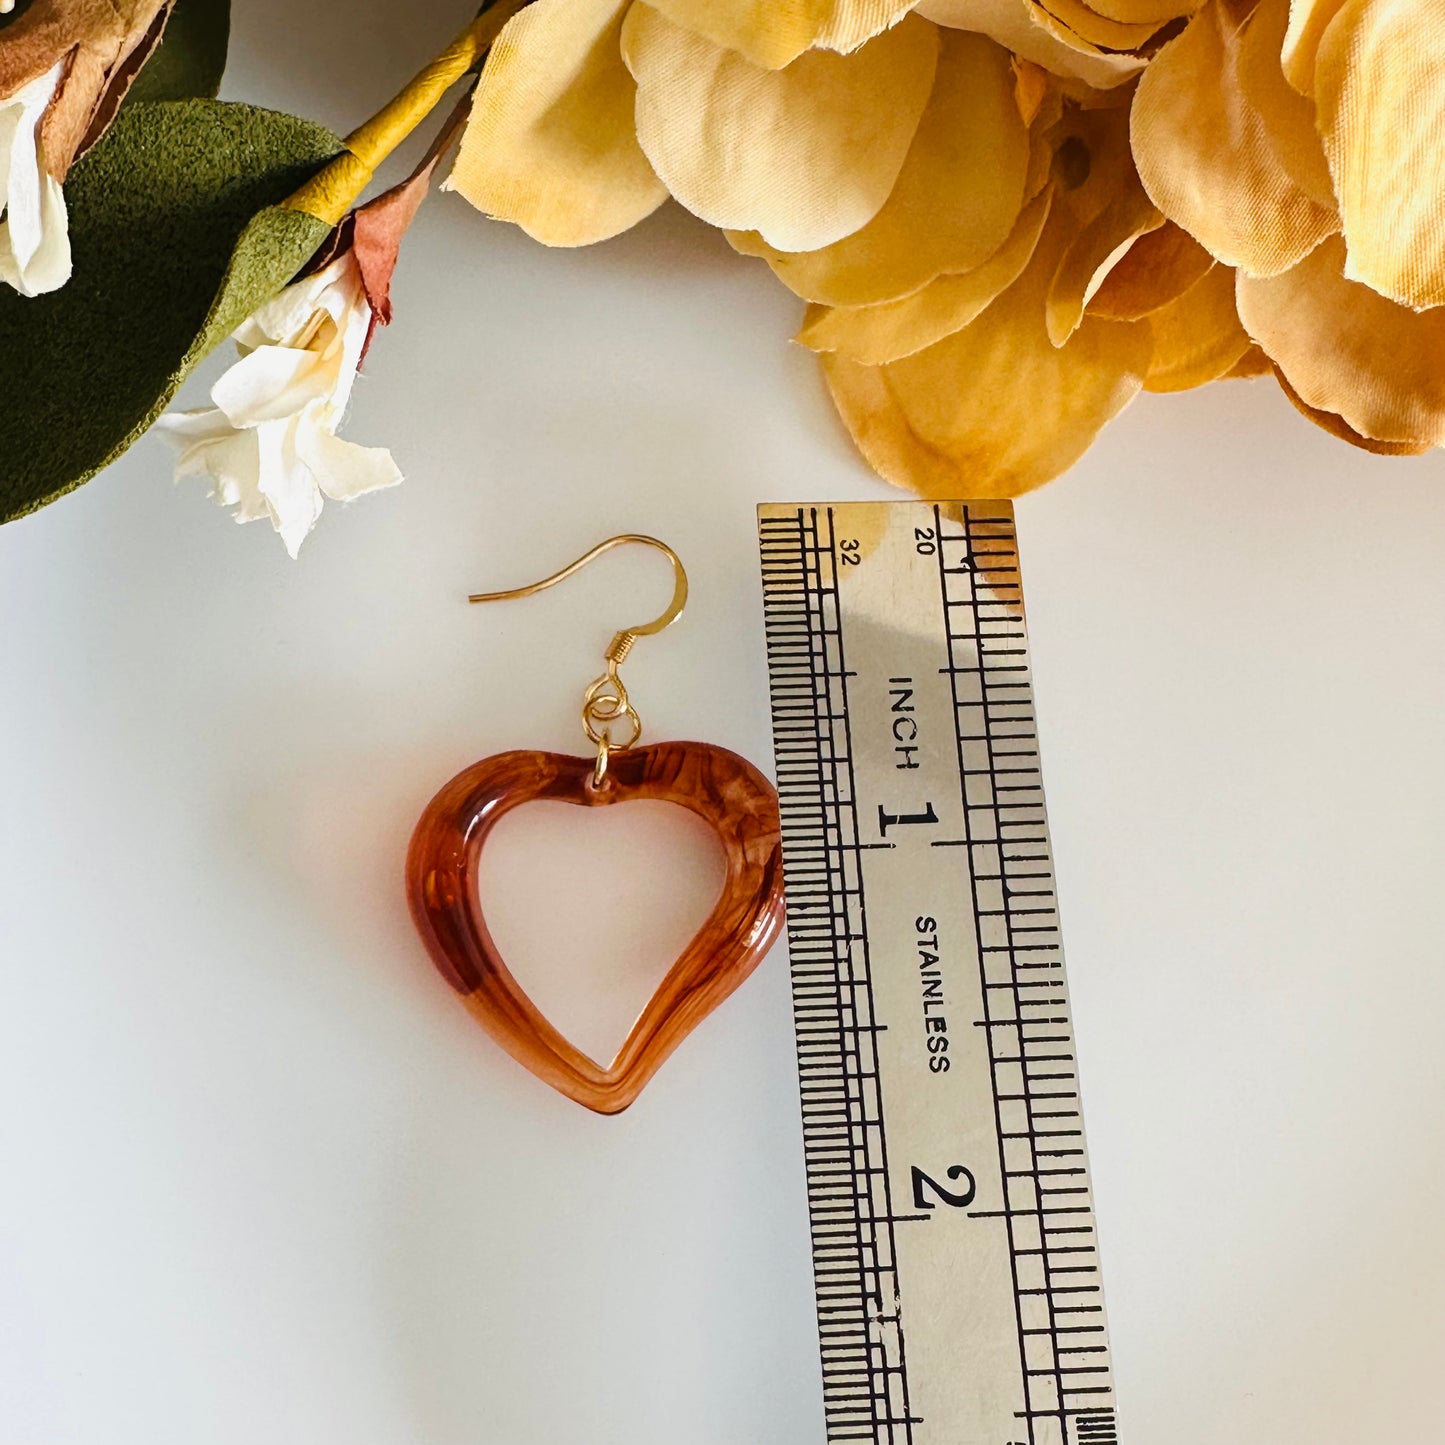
(948, 208)
(956, 199)
(991, 379)
(1008, 216)
(805, 154)
(551, 142)
(1298, 141)
(1069, 38)
(269, 443)
(34, 239)
(792, 120)
(589, 112)
(65, 66)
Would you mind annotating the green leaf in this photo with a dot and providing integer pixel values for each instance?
(191, 56)
(177, 237)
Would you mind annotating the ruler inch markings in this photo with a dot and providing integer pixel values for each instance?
(934, 1039)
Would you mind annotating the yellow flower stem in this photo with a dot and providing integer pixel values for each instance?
(331, 192)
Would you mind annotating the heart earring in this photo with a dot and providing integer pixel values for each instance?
(726, 791)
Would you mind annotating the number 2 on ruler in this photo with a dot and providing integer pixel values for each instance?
(957, 1282)
(962, 1200)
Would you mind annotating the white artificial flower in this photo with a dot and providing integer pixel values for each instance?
(35, 234)
(270, 442)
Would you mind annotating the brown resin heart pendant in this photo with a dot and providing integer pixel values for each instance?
(726, 791)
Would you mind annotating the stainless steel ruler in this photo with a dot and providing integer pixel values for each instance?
(954, 1252)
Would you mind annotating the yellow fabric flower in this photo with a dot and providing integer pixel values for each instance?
(590, 111)
(1008, 217)
(991, 380)
(1299, 141)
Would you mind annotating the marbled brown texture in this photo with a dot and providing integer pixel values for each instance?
(726, 791)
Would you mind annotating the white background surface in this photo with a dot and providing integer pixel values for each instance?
(265, 1180)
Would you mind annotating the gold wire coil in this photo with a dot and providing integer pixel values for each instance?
(620, 646)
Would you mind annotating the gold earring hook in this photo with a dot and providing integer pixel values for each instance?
(606, 700)
(644, 629)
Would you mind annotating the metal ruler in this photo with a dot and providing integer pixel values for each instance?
(954, 1253)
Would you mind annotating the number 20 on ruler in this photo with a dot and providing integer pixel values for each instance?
(954, 1255)
(927, 1192)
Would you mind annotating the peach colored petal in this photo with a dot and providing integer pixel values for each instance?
(1380, 87)
(99, 47)
(1308, 20)
(1253, 363)
(894, 329)
(36, 37)
(773, 33)
(1197, 337)
(852, 23)
(996, 408)
(550, 142)
(1337, 426)
(1092, 159)
(1044, 139)
(1094, 251)
(1099, 30)
(1205, 156)
(1159, 267)
(1138, 12)
(1345, 349)
(956, 200)
(1030, 31)
(805, 155)
(1031, 89)
(1288, 116)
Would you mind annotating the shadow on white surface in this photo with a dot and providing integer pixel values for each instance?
(267, 1179)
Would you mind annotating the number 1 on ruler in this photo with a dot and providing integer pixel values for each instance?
(955, 1260)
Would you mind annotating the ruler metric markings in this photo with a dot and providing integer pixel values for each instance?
(955, 1259)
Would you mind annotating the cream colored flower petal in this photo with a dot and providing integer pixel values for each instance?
(956, 200)
(996, 408)
(551, 143)
(1337, 426)
(773, 33)
(343, 469)
(804, 156)
(1030, 31)
(1289, 117)
(1205, 156)
(288, 485)
(1157, 269)
(1197, 338)
(1380, 86)
(34, 224)
(1308, 21)
(1347, 350)
(894, 329)
(1094, 252)
(271, 382)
